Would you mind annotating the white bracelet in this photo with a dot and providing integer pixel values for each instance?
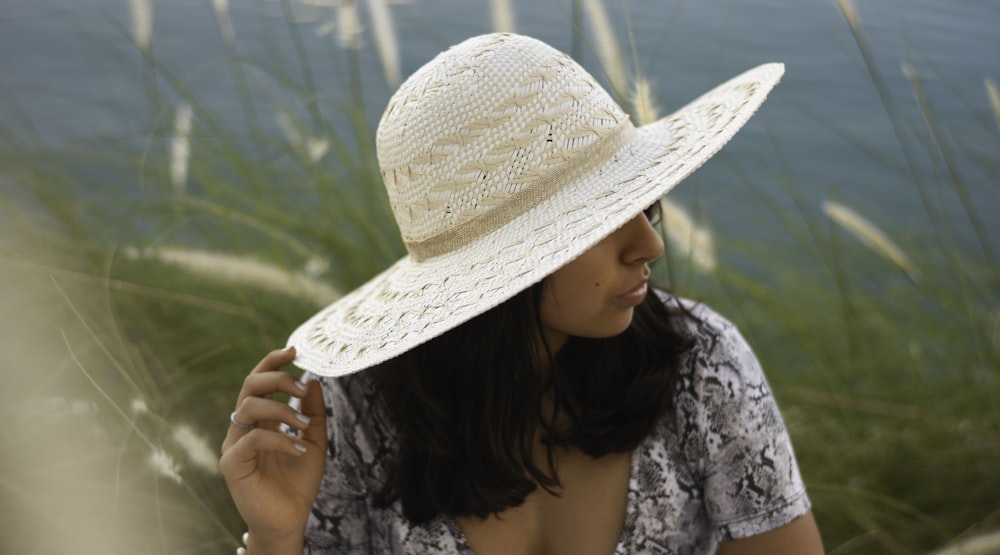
(246, 540)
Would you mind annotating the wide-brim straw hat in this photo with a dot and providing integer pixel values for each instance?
(504, 160)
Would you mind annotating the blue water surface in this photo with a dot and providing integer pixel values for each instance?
(69, 72)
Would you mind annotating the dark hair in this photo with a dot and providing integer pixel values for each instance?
(466, 406)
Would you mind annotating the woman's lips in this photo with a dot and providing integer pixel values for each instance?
(634, 296)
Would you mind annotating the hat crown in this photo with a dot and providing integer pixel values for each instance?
(482, 132)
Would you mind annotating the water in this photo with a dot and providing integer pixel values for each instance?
(67, 67)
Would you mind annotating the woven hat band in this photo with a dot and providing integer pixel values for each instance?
(581, 163)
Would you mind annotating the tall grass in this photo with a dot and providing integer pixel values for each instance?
(143, 278)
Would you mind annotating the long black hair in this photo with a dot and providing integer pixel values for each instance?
(467, 406)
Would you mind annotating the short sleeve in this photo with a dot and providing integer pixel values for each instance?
(340, 518)
(751, 479)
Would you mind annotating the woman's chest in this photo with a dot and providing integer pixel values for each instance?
(652, 502)
(585, 515)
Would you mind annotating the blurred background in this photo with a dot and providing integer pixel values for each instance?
(183, 182)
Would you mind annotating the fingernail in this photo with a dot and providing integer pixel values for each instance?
(246, 537)
(299, 447)
(241, 551)
(302, 418)
(301, 385)
(289, 348)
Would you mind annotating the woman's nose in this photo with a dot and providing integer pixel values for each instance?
(642, 243)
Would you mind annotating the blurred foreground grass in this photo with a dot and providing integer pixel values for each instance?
(143, 279)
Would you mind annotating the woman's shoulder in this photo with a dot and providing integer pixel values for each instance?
(721, 365)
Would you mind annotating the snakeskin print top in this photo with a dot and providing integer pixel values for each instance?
(720, 466)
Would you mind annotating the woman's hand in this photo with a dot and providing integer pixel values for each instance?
(274, 477)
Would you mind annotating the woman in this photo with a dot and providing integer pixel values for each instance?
(524, 391)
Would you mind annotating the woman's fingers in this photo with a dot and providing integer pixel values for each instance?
(267, 413)
(263, 384)
(240, 459)
(275, 360)
(254, 406)
(313, 407)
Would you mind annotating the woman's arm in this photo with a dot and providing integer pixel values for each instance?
(798, 537)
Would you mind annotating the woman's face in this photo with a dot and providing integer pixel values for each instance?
(594, 295)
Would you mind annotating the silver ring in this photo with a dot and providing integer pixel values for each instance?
(240, 425)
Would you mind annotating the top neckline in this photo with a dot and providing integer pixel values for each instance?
(462, 543)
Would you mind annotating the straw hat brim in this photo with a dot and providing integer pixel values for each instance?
(412, 302)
